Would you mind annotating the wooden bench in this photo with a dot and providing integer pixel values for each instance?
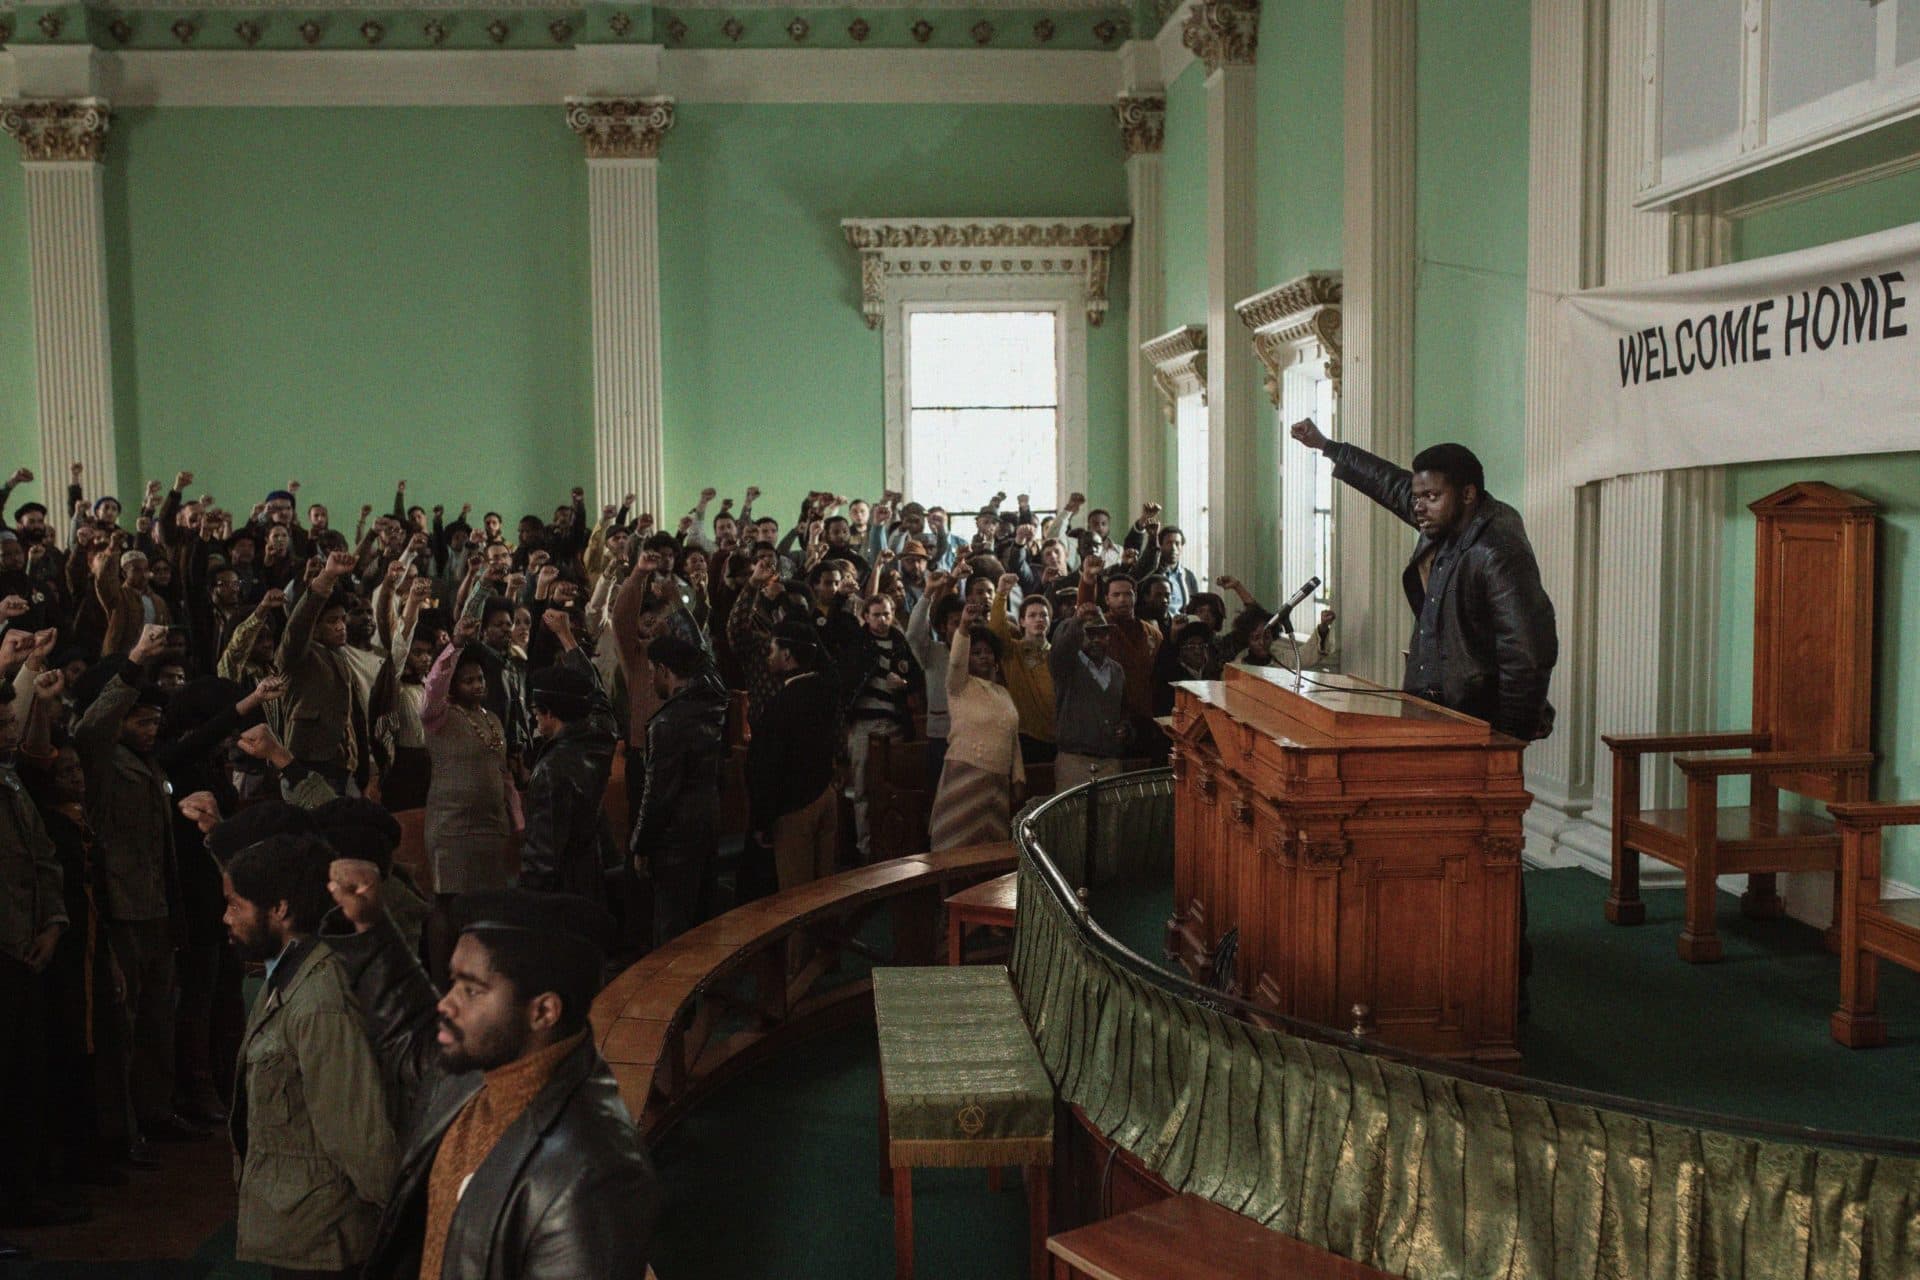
(1187, 1238)
(961, 1086)
(656, 1022)
(993, 905)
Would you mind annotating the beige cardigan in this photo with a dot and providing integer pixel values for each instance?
(985, 730)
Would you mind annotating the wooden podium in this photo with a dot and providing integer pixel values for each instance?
(1365, 845)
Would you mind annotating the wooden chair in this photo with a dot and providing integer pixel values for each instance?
(1870, 929)
(1812, 725)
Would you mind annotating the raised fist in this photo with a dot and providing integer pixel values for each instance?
(1308, 433)
(709, 493)
(339, 564)
(21, 475)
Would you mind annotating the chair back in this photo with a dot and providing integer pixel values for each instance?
(1813, 607)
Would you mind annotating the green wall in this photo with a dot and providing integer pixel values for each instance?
(349, 297)
(1892, 480)
(1183, 179)
(19, 433)
(771, 376)
(1300, 168)
(1470, 296)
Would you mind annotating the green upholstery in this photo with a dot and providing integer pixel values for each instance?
(960, 1079)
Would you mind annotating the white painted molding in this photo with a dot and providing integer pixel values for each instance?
(909, 265)
(623, 229)
(1178, 359)
(1234, 409)
(1142, 114)
(1175, 57)
(541, 77)
(893, 250)
(1565, 169)
(73, 350)
(1064, 78)
(1296, 337)
(1377, 321)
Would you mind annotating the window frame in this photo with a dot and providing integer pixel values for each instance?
(1065, 298)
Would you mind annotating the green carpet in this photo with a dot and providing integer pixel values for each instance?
(777, 1174)
(1615, 1009)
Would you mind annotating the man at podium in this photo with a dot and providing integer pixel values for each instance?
(1483, 636)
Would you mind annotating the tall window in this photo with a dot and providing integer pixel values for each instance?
(983, 406)
(1323, 503)
(1193, 515)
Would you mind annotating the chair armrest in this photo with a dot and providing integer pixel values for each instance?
(1871, 815)
(1774, 762)
(1646, 744)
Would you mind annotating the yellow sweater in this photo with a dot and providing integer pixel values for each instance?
(1029, 677)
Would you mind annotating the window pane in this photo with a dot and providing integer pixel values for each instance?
(1906, 33)
(964, 359)
(961, 457)
(1817, 47)
(1700, 67)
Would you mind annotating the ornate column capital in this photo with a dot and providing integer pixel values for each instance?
(1143, 122)
(50, 129)
(620, 128)
(1222, 32)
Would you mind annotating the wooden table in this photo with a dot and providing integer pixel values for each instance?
(984, 906)
(1187, 1238)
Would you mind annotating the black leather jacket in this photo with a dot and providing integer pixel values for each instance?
(1483, 639)
(561, 850)
(567, 1192)
(680, 800)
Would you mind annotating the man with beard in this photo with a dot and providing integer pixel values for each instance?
(317, 1156)
(523, 1163)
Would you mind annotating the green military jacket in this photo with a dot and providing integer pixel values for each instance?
(317, 1157)
(30, 878)
(129, 805)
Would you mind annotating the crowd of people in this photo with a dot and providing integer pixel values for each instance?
(208, 724)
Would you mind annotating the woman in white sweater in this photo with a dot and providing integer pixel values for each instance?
(974, 804)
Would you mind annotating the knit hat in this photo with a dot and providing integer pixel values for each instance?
(255, 823)
(561, 691)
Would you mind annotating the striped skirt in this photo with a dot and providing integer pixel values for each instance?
(971, 807)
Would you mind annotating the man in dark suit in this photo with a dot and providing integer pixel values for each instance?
(792, 808)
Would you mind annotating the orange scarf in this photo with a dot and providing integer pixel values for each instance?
(474, 1133)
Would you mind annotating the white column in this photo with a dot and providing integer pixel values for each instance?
(1223, 34)
(622, 137)
(1566, 164)
(1653, 564)
(61, 142)
(1143, 129)
(1377, 316)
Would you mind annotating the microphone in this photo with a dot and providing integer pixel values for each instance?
(1284, 618)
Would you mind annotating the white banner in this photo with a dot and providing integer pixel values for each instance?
(1802, 355)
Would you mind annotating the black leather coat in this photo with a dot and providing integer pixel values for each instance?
(561, 849)
(679, 817)
(1484, 640)
(568, 1192)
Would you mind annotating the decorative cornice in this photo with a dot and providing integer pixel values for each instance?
(56, 129)
(1143, 122)
(620, 128)
(891, 247)
(1179, 361)
(1300, 311)
(1222, 32)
